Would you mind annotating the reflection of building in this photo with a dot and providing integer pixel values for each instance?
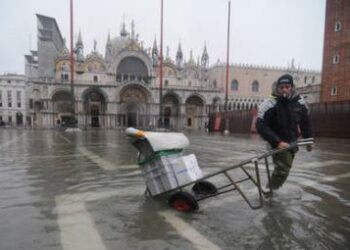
(336, 52)
(121, 88)
(12, 99)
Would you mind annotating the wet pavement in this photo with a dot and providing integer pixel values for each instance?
(83, 190)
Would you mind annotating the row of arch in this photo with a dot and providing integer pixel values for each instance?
(255, 85)
(134, 107)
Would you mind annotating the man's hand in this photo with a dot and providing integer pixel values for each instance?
(282, 145)
(309, 148)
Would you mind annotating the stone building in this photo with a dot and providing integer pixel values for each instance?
(13, 100)
(121, 87)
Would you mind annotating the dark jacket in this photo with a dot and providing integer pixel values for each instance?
(279, 119)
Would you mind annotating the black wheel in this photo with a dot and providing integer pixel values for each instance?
(204, 188)
(183, 202)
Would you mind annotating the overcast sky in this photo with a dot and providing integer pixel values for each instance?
(263, 32)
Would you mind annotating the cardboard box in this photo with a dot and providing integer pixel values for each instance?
(169, 172)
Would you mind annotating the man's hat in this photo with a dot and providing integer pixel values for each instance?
(285, 79)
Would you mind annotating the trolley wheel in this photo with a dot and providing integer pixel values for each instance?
(204, 188)
(183, 202)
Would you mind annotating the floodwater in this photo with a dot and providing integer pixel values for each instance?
(83, 190)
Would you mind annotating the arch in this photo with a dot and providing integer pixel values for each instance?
(95, 106)
(134, 93)
(194, 111)
(134, 99)
(234, 85)
(133, 66)
(255, 86)
(171, 109)
(62, 102)
(61, 95)
(36, 94)
(94, 89)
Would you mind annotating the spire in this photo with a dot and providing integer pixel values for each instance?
(123, 31)
(155, 53)
(79, 48)
(179, 57)
(205, 57)
(191, 61)
(108, 51)
(132, 30)
(109, 38)
(80, 40)
(155, 44)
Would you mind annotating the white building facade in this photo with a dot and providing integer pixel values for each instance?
(13, 100)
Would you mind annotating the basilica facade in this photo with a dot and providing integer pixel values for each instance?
(121, 87)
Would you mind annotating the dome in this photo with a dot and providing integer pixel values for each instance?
(119, 43)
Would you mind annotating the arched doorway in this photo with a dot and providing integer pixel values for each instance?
(171, 111)
(94, 107)
(134, 106)
(62, 107)
(194, 112)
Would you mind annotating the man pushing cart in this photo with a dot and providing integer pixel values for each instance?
(176, 177)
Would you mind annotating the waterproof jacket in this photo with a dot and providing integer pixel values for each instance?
(279, 119)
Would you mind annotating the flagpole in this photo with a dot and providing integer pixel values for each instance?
(227, 68)
(161, 68)
(72, 61)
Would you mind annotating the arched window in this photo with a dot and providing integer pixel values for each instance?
(255, 86)
(234, 85)
(229, 106)
(337, 26)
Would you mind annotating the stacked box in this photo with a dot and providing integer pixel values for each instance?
(170, 171)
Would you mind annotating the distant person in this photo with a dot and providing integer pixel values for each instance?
(278, 122)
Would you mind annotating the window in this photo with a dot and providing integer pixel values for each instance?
(166, 83)
(305, 79)
(10, 119)
(189, 83)
(337, 26)
(255, 86)
(31, 103)
(95, 79)
(334, 91)
(8, 81)
(234, 85)
(0, 98)
(64, 76)
(214, 83)
(18, 94)
(313, 79)
(336, 59)
(9, 98)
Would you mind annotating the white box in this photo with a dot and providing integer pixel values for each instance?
(169, 172)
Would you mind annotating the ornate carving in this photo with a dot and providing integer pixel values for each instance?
(133, 95)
